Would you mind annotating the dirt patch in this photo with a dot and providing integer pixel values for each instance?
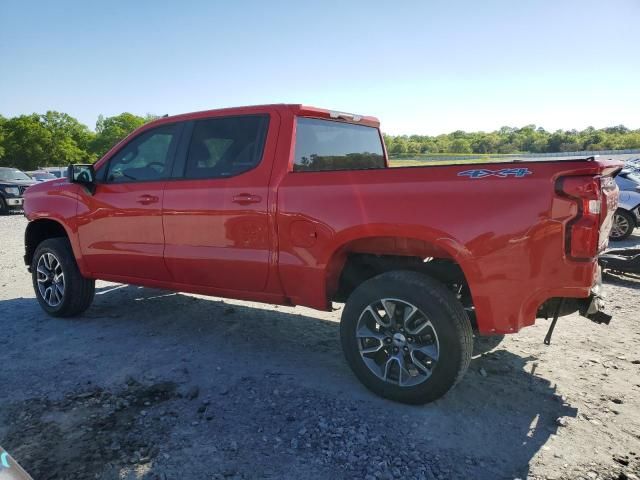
(261, 391)
(88, 434)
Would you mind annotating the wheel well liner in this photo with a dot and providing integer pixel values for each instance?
(360, 267)
(40, 230)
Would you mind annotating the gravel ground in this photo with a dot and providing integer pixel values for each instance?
(151, 384)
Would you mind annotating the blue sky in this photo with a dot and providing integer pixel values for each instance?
(424, 67)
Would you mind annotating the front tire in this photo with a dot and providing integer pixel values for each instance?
(3, 207)
(623, 225)
(406, 337)
(60, 288)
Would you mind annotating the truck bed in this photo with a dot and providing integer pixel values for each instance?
(503, 224)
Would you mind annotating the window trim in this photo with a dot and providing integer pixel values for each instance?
(292, 160)
(102, 174)
(182, 156)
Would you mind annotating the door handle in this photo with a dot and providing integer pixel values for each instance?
(246, 198)
(147, 199)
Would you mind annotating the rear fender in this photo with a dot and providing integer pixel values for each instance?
(435, 246)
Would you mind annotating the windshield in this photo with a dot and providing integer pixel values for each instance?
(10, 174)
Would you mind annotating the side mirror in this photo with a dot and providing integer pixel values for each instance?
(82, 174)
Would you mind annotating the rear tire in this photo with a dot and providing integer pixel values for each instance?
(623, 225)
(426, 347)
(60, 288)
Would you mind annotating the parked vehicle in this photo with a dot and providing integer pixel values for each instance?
(295, 205)
(621, 260)
(58, 172)
(13, 184)
(627, 216)
(628, 179)
(41, 175)
(633, 164)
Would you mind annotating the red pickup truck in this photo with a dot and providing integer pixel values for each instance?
(294, 205)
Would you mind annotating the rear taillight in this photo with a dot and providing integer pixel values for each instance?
(582, 233)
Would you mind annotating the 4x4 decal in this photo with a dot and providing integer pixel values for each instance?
(502, 173)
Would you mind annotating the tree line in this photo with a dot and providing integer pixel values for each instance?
(54, 138)
(528, 139)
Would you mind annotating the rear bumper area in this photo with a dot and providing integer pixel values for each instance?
(591, 307)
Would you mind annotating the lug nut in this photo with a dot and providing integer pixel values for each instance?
(387, 340)
(410, 339)
(406, 349)
(395, 349)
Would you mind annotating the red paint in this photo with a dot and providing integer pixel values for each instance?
(276, 236)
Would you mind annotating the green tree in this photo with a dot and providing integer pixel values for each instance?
(3, 121)
(111, 130)
(388, 141)
(26, 143)
(485, 143)
(460, 145)
(413, 147)
(399, 146)
(70, 139)
(54, 138)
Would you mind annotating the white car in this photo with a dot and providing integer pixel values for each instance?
(59, 172)
(627, 216)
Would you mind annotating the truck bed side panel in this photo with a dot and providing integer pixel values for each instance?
(507, 233)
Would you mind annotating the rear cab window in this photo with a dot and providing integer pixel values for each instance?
(325, 145)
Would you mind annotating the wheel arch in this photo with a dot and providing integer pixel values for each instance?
(42, 229)
(355, 261)
(632, 214)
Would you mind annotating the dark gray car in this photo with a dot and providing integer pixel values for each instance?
(13, 184)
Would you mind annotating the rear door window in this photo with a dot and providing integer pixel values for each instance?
(327, 145)
(226, 146)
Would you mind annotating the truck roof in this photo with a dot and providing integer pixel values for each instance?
(296, 109)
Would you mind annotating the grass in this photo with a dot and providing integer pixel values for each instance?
(417, 162)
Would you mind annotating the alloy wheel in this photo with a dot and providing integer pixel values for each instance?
(50, 279)
(620, 226)
(397, 342)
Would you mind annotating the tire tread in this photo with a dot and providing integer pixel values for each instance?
(80, 289)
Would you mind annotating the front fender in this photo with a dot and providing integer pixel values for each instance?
(56, 201)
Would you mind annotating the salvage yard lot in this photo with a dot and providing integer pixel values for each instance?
(153, 384)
